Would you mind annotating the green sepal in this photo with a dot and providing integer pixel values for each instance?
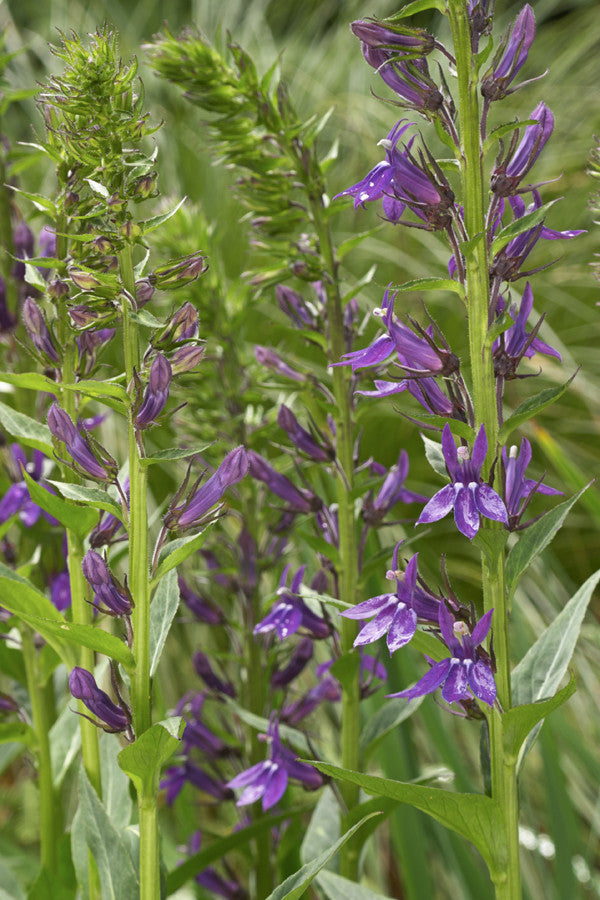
(143, 760)
(474, 816)
(535, 539)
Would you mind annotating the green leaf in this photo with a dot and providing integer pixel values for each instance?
(217, 849)
(150, 224)
(519, 722)
(17, 731)
(26, 430)
(163, 608)
(544, 665)
(87, 496)
(491, 542)
(65, 743)
(338, 888)
(115, 783)
(535, 539)
(531, 407)
(39, 201)
(418, 6)
(524, 223)
(90, 636)
(30, 381)
(117, 877)
(174, 453)
(324, 826)
(174, 553)
(474, 816)
(295, 886)
(392, 713)
(79, 519)
(91, 388)
(34, 278)
(431, 284)
(435, 456)
(501, 130)
(143, 759)
(460, 429)
(352, 243)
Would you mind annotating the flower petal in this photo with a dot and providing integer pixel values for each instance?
(403, 627)
(368, 608)
(481, 682)
(455, 687)
(490, 504)
(466, 514)
(439, 505)
(374, 630)
(428, 683)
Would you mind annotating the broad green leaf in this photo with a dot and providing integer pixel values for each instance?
(491, 542)
(544, 665)
(392, 713)
(118, 879)
(88, 496)
(82, 636)
(521, 721)
(418, 6)
(535, 539)
(143, 759)
(324, 826)
(435, 456)
(90, 388)
(338, 888)
(17, 731)
(532, 407)
(174, 553)
(60, 883)
(174, 453)
(474, 816)
(296, 885)
(163, 608)
(218, 848)
(79, 519)
(32, 381)
(431, 284)
(26, 430)
(80, 854)
(35, 382)
(524, 223)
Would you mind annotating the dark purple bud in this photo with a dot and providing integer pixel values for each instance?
(205, 671)
(188, 514)
(179, 272)
(271, 360)
(182, 326)
(109, 594)
(510, 57)
(60, 424)
(156, 393)
(83, 687)
(298, 501)
(91, 461)
(300, 657)
(109, 525)
(60, 591)
(387, 36)
(143, 291)
(300, 311)
(300, 437)
(200, 607)
(328, 690)
(37, 329)
(23, 243)
(532, 143)
(186, 359)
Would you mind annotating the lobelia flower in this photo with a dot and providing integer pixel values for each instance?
(196, 733)
(515, 343)
(268, 780)
(392, 491)
(302, 313)
(109, 595)
(327, 690)
(303, 652)
(186, 358)
(300, 437)
(156, 393)
(60, 591)
(510, 56)
(17, 498)
(518, 490)
(395, 614)
(425, 390)
(271, 360)
(83, 687)
(507, 174)
(89, 345)
(209, 878)
(201, 499)
(396, 38)
(177, 776)
(209, 677)
(182, 326)
(409, 80)
(91, 461)
(298, 499)
(38, 331)
(468, 495)
(197, 604)
(466, 672)
(289, 613)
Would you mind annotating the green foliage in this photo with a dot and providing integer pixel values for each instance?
(143, 759)
(163, 609)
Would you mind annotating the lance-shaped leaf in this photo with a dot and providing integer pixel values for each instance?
(531, 407)
(535, 539)
(543, 667)
(143, 759)
(524, 223)
(521, 721)
(27, 431)
(431, 284)
(474, 816)
(338, 888)
(87, 496)
(295, 886)
(79, 519)
(418, 6)
(162, 612)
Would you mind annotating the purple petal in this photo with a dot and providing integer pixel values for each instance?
(480, 631)
(402, 629)
(428, 683)
(275, 787)
(439, 505)
(481, 682)
(450, 453)
(455, 687)
(479, 449)
(375, 629)
(490, 504)
(466, 514)
(249, 776)
(368, 607)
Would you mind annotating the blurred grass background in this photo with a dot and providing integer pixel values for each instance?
(322, 64)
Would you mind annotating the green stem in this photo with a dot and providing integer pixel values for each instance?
(504, 781)
(149, 846)
(41, 712)
(348, 551)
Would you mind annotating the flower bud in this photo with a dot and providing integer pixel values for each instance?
(182, 326)
(143, 291)
(37, 329)
(156, 393)
(179, 272)
(186, 359)
(83, 687)
(233, 468)
(108, 593)
(271, 360)
(85, 281)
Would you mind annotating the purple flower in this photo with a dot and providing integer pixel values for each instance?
(508, 173)
(518, 489)
(290, 613)
(39, 333)
(410, 80)
(395, 614)
(397, 38)
(89, 459)
(300, 437)
(209, 677)
(156, 393)
(302, 313)
(200, 607)
(268, 780)
(109, 595)
(83, 687)
(392, 491)
(201, 499)
(182, 326)
(298, 500)
(177, 776)
(299, 659)
(510, 57)
(516, 342)
(60, 591)
(466, 672)
(467, 494)
(273, 361)
(327, 690)
(17, 499)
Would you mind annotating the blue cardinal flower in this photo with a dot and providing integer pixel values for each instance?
(289, 613)
(468, 495)
(466, 672)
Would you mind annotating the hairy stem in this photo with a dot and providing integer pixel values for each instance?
(504, 782)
